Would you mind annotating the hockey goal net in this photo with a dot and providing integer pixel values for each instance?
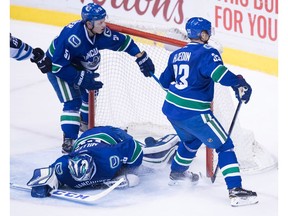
(131, 101)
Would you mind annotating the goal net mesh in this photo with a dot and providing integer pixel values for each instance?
(131, 101)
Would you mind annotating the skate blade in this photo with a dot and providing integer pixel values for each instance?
(243, 201)
(182, 183)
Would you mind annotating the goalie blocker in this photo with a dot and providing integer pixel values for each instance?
(100, 157)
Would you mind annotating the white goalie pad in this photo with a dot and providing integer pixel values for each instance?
(158, 153)
(163, 144)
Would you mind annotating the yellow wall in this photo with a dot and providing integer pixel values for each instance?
(230, 56)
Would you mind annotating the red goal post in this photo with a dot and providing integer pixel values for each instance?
(130, 100)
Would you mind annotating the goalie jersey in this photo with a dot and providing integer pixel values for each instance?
(110, 150)
(189, 78)
(74, 50)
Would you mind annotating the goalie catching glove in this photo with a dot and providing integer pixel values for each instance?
(86, 80)
(242, 90)
(146, 65)
(42, 62)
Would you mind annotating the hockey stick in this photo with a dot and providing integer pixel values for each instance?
(213, 178)
(72, 196)
(157, 80)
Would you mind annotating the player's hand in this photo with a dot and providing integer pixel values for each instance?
(146, 65)
(43, 63)
(242, 90)
(41, 191)
(86, 79)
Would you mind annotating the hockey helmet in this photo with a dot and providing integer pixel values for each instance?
(195, 26)
(82, 167)
(93, 12)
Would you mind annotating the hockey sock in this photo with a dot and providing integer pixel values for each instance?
(70, 122)
(184, 155)
(84, 112)
(229, 167)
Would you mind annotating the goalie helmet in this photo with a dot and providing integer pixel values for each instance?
(93, 12)
(195, 25)
(82, 167)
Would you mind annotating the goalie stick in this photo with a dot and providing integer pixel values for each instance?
(73, 196)
(213, 178)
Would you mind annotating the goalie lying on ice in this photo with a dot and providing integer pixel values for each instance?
(101, 156)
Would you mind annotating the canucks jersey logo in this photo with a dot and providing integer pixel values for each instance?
(91, 54)
(92, 59)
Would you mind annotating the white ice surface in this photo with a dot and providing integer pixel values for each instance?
(35, 140)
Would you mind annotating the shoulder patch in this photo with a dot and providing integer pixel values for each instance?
(114, 161)
(58, 168)
(107, 32)
(74, 41)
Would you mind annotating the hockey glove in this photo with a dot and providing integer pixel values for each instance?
(43, 63)
(146, 65)
(41, 191)
(86, 80)
(242, 90)
(43, 181)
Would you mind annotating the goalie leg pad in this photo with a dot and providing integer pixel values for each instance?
(159, 160)
(163, 144)
(158, 153)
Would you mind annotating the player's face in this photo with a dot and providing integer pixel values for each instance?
(99, 26)
(204, 36)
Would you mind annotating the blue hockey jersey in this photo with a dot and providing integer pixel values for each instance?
(74, 50)
(189, 79)
(111, 149)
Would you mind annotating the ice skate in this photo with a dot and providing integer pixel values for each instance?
(67, 145)
(83, 126)
(241, 197)
(181, 178)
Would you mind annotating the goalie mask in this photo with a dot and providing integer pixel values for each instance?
(82, 167)
(195, 26)
(93, 12)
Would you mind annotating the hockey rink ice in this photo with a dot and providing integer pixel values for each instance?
(36, 142)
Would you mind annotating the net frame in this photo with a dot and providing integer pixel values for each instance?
(257, 159)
